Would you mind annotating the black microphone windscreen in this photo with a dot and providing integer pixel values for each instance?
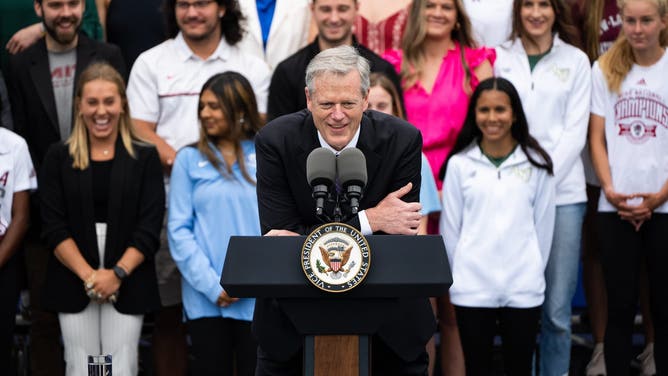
(321, 167)
(352, 166)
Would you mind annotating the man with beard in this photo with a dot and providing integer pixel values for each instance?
(334, 19)
(163, 93)
(41, 83)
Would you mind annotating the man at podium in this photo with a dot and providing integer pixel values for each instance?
(337, 87)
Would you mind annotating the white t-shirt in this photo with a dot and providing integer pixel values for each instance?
(16, 173)
(636, 129)
(491, 20)
(166, 80)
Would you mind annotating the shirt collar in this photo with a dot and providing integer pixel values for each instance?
(351, 144)
(222, 52)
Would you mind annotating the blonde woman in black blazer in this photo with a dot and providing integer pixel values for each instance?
(102, 199)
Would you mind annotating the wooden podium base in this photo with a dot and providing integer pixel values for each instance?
(336, 355)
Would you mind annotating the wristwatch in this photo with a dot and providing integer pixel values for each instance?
(120, 272)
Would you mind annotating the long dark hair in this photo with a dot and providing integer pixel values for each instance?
(237, 102)
(563, 23)
(230, 23)
(519, 130)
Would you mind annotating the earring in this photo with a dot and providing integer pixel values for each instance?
(221, 14)
(457, 26)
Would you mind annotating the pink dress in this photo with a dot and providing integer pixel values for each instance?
(383, 35)
(439, 115)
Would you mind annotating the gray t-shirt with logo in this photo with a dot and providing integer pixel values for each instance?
(63, 66)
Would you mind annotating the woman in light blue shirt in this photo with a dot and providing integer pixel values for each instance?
(212, 197)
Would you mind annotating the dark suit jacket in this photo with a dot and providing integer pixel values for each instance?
(392, 149)
(31, 90)
(135, 213)
(286, 91)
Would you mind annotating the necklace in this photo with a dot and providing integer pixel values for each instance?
(105, 152)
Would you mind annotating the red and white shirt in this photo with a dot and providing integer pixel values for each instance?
(16, 173)
(636, 129)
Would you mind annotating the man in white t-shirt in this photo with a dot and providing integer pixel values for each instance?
(17, 179)
(163, 94)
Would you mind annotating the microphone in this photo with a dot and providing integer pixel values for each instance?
(351, 164)
(320, 172)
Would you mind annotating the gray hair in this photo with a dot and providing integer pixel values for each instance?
(339, 61)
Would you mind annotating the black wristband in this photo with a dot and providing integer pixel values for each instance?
(120, 272)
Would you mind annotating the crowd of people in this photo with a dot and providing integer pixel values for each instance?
(137, 137)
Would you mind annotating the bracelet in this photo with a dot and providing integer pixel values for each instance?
(90, 281)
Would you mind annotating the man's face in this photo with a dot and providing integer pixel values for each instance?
(334, 19)
(198, 19)
(337, 107)
(61, 18)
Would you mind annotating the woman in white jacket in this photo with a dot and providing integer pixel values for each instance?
(553, 79)
(498, 222)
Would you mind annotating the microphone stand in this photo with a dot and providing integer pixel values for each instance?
(337, 213)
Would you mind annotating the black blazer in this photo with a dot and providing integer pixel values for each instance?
(31, 90)
(135, 213)
(392, 148)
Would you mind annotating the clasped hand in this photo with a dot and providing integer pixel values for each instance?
(635, 208)
(102, 285)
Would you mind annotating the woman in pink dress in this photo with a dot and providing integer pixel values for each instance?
(440, 66)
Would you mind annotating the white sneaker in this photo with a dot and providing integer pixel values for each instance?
(596, 366)
(646, 359)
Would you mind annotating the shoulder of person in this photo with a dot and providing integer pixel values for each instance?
(302, 57)
(533, 153)
(286, 126)
(377, 62)
(34, 52)
(156, 53)
(57, 150)
(569, 52)
(144, 148)
(389, 125)
(10, 140)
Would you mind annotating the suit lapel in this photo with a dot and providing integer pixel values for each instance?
(40, 73)
(280, 15)
(253, 24)
(120, 168)
(368, 145)
(87, 213)
(309, 141)
(85, 56)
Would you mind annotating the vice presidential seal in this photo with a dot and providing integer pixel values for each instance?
(335, 257)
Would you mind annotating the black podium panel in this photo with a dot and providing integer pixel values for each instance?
(401, 266)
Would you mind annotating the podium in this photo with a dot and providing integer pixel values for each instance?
(401, 267)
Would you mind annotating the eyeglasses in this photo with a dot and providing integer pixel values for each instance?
(199, 4)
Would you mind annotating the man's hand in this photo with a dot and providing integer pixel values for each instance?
(394, 216)
(24, 38)
(281, 233)
(225, 300)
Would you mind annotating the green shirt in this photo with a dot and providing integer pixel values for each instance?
(534, 59)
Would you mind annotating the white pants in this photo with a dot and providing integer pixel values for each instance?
(100, 330)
